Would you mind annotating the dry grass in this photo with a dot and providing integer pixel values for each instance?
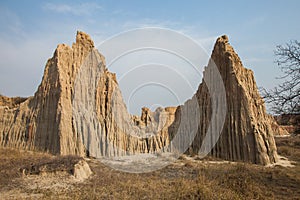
(186, 179)
(289, 147)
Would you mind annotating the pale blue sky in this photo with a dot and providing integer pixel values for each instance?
(31, 30)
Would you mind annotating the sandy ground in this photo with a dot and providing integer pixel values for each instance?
(183, 178)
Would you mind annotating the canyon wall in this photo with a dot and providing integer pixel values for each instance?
(78, 111)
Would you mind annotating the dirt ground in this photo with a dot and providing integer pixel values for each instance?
(187, 178)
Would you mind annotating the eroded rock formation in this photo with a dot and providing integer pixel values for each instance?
(78, 112)
(247, 133)
(288, 124)
(44, 121)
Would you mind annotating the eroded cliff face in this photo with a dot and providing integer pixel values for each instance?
(101, 118)
(44, 121)
(247, 133)
(75, 111)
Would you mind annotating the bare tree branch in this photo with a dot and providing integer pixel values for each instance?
(285, 97)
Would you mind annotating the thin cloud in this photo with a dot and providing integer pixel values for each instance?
(79, 9)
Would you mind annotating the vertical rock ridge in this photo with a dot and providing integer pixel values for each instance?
(44, 122)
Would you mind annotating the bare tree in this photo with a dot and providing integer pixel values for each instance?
(285, 98)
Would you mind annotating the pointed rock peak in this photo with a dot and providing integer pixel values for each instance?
(84, 39)
(224, 53)
(222, 44)
(223, 39)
